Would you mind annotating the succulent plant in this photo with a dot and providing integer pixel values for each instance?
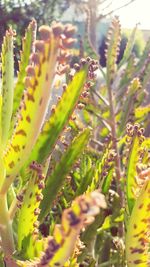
(28, 139)
(56, 172)
(118, 113)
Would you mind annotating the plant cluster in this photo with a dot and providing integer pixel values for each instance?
(61, 164)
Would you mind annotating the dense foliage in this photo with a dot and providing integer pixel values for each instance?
(61, 164)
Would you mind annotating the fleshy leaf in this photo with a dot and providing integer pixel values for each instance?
(144, 57)
(104, 171)
(7, 83)
(126, 78)
(60, 116)
(113, 43)
(129, 47)
(129, 103)
(29, 210)
(142, 112)
(61, 246)
(35, 102)
(27, 49)
(138, 235)
(86, 175)
(32, 246)
(134, 140)
(55, 180)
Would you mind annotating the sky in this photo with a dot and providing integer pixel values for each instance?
(137, 12)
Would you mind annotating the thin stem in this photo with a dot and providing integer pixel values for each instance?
(13, 209)
(117, 158)
(6, 228)
(101, 98)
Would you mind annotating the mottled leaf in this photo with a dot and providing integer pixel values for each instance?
(113, 43)
(61, 246)
(34, 104)
(27, 49)
(129, 47)
(55, 180)
(29, 210)
(7, 84)
(133, 156)
(138, 235)
(60, 116)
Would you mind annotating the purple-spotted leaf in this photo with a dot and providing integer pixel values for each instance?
(133, 158)
(61, 246)
(29, 211)
(58, 119)
(7, 84)
(35, 101)
(138, 230)
(112, 49)
(27, 50)
(55, 180)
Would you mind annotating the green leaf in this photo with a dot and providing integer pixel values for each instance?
(29, 211)
(86, 173)
(142, 112)
(34, 104)
(133, 155)
(126, 78)
(129, 47)
(54, 126)
(129, 104)
(56, 179)
(27, 49)
(108, 179)
(31, 247)
(138, 236)
(7, 84)
(104, 170)
(144, 57)
(112, 50)
(61, 246)
(85, 182)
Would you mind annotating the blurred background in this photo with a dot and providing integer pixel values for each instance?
(92, 18)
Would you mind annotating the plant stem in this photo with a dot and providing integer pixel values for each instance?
(13, 209)
(6, 228)
(117, 158)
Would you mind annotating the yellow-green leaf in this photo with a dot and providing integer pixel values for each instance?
(134, 148)
(7, 84)
(34, 104)
(55, 180)
(29, 210)
(138, 230)
(112, 49)
(27, 49)
(58, 119)
(61, 246)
